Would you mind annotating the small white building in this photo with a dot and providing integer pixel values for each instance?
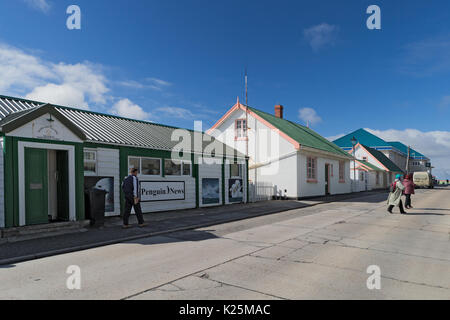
(285, 158)
(371, 169)
(396, 151)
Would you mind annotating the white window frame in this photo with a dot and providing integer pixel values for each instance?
(313, 168)
(140, 166)
(90, 173)
(240, 133)
(239, 168)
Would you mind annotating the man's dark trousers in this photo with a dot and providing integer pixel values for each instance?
(129, 203)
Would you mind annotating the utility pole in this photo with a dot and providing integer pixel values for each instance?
(246, 114)
(407, 160)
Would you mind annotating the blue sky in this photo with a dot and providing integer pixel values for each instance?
(176, 61)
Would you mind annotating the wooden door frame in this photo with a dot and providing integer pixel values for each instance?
(21, 165)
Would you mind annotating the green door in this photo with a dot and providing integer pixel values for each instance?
(36, 186)
(62, 168)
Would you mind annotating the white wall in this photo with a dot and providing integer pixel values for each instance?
(189, 191)
(41, 128)
(261, 145)
(281, 175)
(2, 189)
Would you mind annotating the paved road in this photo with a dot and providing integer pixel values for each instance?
(320, 252)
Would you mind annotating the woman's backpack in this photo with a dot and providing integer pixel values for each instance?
(392, 187)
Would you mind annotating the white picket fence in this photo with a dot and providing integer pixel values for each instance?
(261, 191)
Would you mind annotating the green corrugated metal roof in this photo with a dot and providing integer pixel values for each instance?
(105, 128)
(303, 135)
(383, 159)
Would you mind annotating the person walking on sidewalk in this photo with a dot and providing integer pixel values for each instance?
(130, 187)
(395, 195)
(409, 190)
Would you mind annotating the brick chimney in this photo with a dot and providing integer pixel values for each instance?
(279, 111)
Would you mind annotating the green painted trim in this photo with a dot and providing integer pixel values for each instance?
(31, 114)
(11, 169)
(195, 174)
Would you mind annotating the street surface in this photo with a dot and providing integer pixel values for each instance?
(320, 252)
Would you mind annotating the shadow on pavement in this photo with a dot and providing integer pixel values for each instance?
(179, 236)
(373, 198)
(424, 214)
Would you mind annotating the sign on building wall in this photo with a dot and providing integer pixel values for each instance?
(210, 191)
(162, 190)
(102, 183)
(236, 190)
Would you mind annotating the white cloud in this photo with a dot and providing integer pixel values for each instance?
(63, 94)
(332, 138)
(41, 5)
(321, 35)
(75, 85)
(309, 116)
(433, 144)
(126, 108)
(175, 112)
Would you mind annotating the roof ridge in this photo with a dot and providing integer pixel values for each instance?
(304, 130)
(92, 112)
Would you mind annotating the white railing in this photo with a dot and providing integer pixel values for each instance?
(261, 191)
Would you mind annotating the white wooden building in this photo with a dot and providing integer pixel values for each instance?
(285, 158)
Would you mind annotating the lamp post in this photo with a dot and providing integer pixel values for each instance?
(354, 141)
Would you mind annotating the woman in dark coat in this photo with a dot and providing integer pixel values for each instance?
(409, 190)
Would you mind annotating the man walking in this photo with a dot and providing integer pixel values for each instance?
(130, 187)
(395, 195)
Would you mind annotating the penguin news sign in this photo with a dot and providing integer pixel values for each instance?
(162, 190)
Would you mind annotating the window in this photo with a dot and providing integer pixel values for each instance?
(134, 163)
(90, 162)
(240, 128)
(145, 166)
(150, 166)
(172, 167)
(186, 168)
(311, 168)
(235, 170)
(361, 176)
(364, 158)
(378, 179)
(341, 171)
(177, 168)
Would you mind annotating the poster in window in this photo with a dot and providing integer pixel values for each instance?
(102, 183)
(236, 190)
(210, 191)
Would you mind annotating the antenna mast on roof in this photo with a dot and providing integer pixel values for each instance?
(246, 114)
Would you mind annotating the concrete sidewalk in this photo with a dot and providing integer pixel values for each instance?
(158, 223)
